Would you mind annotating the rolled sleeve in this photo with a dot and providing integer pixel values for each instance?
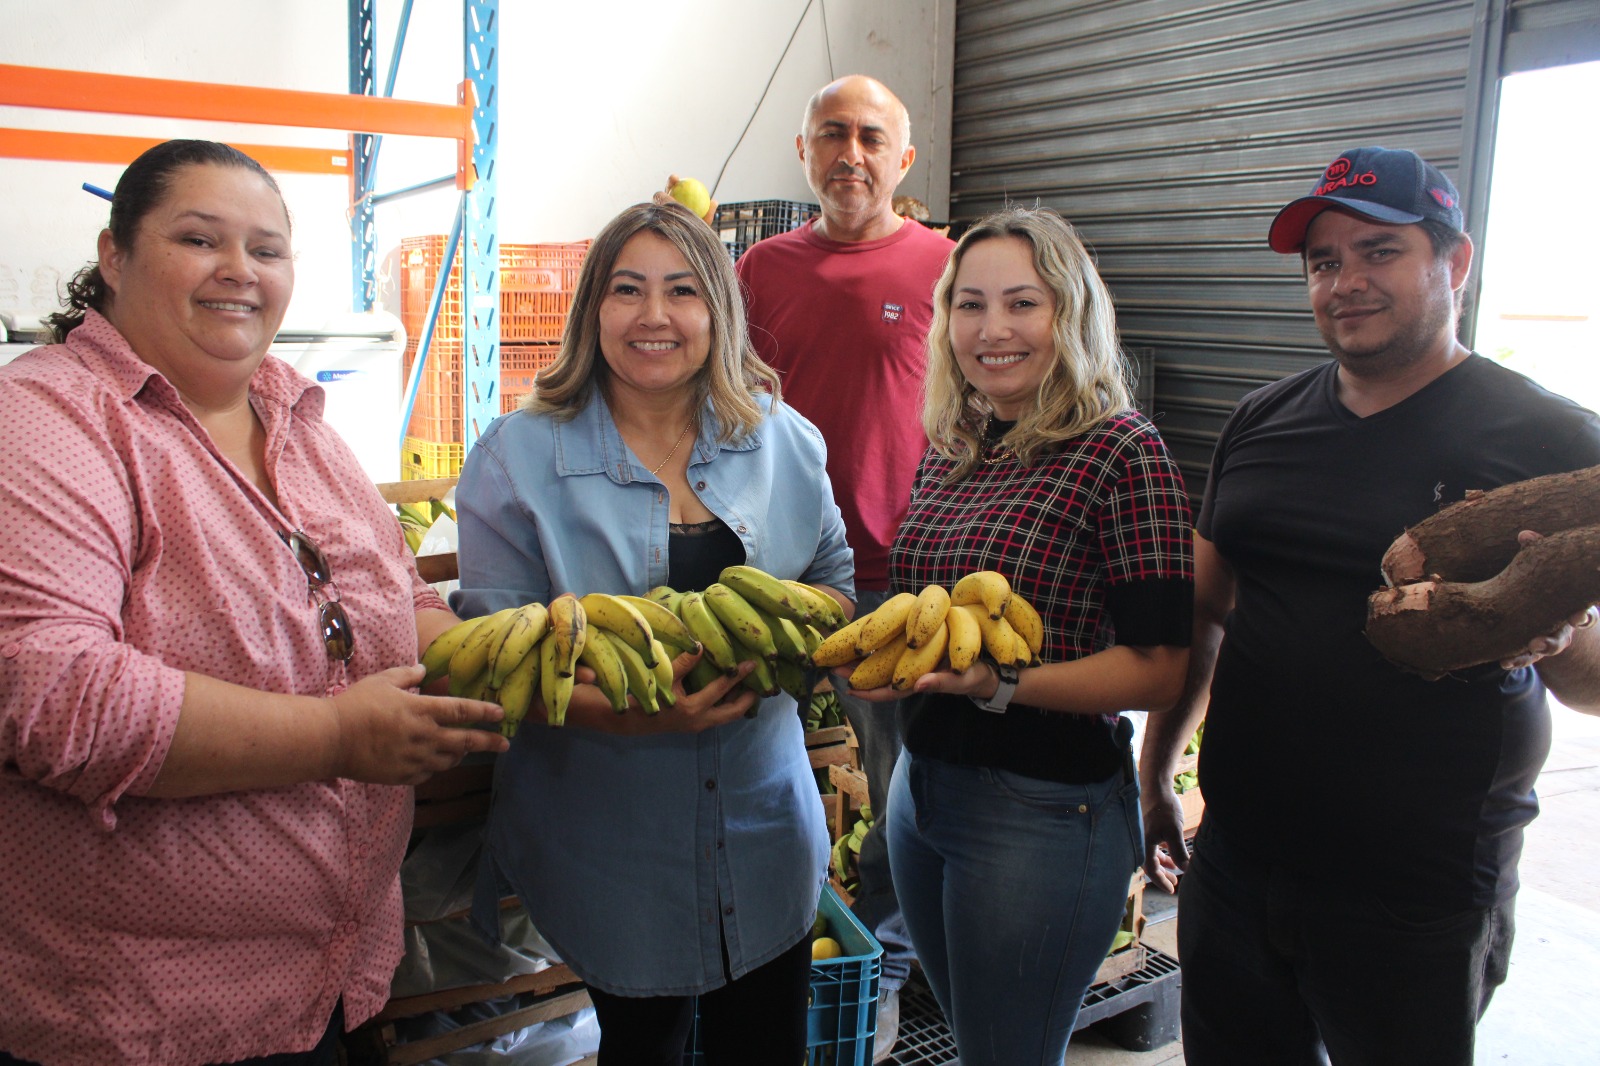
(82, 712)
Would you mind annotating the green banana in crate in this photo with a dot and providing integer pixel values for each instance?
(667, 627)
(609, 675)
(473, 654)
(622, 619)
(516, 692)
(709, 632)
(436, 659)
(765, 591)
(440, 509)
(415, 514)
(741, 619)
(527, 628)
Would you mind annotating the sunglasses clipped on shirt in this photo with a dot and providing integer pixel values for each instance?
(336, 633)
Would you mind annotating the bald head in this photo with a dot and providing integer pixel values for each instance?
(860, 88)
(855, 145)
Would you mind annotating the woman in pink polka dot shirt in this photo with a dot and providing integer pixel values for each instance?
(209, 630)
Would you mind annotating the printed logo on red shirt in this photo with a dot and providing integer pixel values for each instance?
(893, 312)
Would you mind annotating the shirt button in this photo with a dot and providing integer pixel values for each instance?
(10, 651)
(711, 785)
(741, 529)
(719, 845)
(699, 486)
(1083, 808)
(727, 910)
(348, 928)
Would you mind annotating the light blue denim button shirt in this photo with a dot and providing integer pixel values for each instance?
(637, 857)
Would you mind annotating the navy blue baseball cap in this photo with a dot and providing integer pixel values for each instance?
(1379, 184)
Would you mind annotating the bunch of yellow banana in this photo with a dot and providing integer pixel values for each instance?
(508, 657)
(914, 633)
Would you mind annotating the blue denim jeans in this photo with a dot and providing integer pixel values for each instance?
(1013, 889)
(876, 905)
(1284, 970)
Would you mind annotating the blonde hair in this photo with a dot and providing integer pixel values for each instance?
(1086, 383)
(733, 373)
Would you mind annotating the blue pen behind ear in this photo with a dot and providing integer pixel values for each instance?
(97, 190)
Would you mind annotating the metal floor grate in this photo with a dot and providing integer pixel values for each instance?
(925, 1038)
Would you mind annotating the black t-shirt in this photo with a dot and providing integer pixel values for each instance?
(1318, 753)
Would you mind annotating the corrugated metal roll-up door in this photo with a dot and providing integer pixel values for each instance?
(1550, 33)
(1170, 133)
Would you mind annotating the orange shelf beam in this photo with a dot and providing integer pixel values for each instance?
(105, 148)
(119, 94)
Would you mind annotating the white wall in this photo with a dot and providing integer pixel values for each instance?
(599, 102)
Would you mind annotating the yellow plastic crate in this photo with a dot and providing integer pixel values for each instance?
(421, 459)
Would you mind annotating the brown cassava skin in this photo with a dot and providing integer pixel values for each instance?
(1434, 627)
(1477, 538)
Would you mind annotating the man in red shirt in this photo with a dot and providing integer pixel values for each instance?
(841, 307)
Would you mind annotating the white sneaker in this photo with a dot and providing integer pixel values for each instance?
(888, 1025)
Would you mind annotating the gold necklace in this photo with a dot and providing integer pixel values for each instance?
(992, 452)
(674, 450)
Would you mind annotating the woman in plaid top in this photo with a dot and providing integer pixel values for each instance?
(1014, 812)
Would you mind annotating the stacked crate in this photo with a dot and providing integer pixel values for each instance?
(742, 224)
(536, 286)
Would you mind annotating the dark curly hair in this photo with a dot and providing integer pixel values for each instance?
(142, 186)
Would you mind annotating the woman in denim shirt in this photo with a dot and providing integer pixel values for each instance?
(676, 855)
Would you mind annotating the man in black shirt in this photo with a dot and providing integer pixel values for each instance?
(1351, 892)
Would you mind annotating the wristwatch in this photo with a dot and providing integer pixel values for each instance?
(1001, 699)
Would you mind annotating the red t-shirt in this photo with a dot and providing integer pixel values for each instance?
(846, 324)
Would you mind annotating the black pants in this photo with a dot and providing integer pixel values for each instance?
(1279, 970)
(761, 1017)
(324, 1054)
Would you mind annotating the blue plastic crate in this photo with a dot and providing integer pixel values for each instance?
(843, 1016)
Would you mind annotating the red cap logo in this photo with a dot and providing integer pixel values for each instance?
(1445, 199)
(1337, 169)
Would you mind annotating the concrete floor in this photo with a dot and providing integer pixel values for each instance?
(1548, 1011)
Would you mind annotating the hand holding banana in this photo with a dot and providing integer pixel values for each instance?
(936, 630)
(646, 653)
(391, 736)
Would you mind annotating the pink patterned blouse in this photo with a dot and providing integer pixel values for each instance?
(200, 930)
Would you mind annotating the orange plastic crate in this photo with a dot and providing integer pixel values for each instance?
(536, 286)
(436, 415)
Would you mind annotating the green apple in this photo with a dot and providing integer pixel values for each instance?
(693, 195)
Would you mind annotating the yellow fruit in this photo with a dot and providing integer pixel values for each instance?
(693, 195)
(825, 947)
